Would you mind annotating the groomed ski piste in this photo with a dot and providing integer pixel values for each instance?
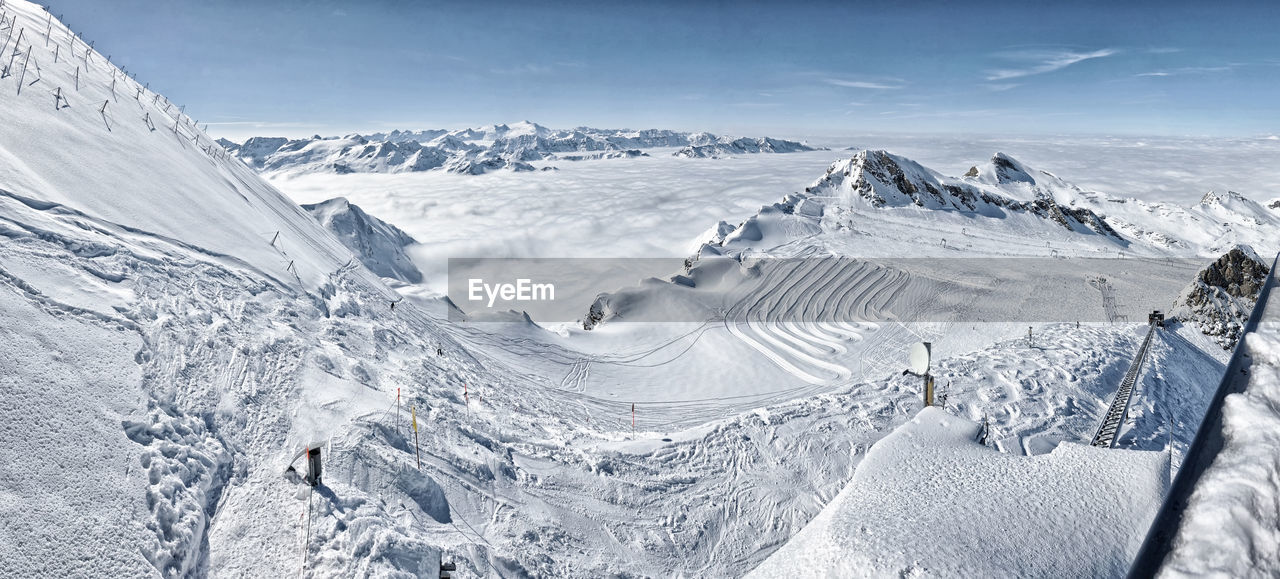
(176, 331)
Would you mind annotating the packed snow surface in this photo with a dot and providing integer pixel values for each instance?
(929, 500)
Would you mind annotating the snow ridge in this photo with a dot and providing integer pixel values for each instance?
(379, 245)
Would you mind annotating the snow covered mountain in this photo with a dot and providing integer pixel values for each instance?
(378, 244)
(176, 332)
(357, 154)
(904, 203)
(1223, 294)
(726, 146)
(479, 150)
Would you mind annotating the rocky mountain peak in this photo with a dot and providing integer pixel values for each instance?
(1221, 298)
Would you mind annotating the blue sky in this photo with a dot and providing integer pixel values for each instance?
(785, 69)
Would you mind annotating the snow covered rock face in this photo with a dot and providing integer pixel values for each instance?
(888, 180)
(1220, 299)
(477, 151)
(346, 155)
(874, 180)
(478, 163)
(725, 146)
(378, 244)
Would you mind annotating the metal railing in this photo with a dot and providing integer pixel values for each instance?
(1114, 419)
(1206, 446)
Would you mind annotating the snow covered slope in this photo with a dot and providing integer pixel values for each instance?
(165, 319)
(138, 164)
(177, 332)
(930, 500)
(379, 245)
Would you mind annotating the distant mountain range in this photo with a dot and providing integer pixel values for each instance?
(479, 150)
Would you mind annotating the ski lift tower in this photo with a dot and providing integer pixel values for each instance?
(919, 366)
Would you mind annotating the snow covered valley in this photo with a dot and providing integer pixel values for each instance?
(177, 331)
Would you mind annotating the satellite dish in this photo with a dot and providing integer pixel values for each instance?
(920, 358)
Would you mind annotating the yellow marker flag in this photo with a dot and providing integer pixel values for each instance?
(415, 418)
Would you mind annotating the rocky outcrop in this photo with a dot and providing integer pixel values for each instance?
(1221, 298)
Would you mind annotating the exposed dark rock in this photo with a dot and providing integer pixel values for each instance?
(1221, 298)
(923, 190)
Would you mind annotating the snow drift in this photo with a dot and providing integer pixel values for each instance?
(929, 499)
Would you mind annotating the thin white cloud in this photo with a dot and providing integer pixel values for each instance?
(1190, 70)
(1001, 86)
(1046, 62)
(871, 85)
(531, 68)
(934, 114)
(258, 124)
